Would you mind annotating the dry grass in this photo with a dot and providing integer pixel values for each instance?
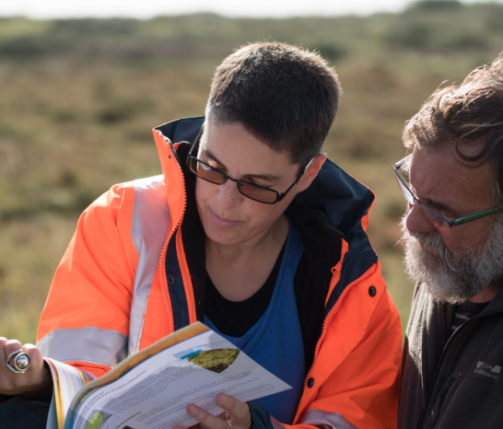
(73, 125)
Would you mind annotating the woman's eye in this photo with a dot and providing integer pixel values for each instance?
(254, 182)
(204, 167)
(215, 165)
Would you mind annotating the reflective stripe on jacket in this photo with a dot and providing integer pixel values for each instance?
(111, 295)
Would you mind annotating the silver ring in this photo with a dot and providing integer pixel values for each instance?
(21, 361)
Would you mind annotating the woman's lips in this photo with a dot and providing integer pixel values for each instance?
(222, 222)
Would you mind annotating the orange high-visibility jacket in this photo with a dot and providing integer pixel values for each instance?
(111, 296)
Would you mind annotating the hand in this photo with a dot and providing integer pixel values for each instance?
(236, 416)
(35, 382)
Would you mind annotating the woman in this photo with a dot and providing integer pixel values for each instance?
(251, 232)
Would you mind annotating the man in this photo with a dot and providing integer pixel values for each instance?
(250, 231)
(453, 234)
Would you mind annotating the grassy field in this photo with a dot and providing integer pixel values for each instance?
(78, 100)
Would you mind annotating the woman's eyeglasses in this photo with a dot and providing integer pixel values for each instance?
(248, 189)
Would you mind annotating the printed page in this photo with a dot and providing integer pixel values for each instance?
(155, 394)
(67, 382)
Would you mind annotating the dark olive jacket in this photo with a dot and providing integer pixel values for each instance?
(454, 382)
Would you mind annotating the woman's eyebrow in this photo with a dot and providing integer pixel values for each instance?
(268, 177)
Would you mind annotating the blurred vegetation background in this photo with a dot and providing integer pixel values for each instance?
(78, 100)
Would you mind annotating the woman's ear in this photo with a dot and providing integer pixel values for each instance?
(311, 171)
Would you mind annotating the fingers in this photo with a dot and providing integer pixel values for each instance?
(206, 419)
(36, 359)
(11, 346)
(34, 379)
(239, 411)
(237, 414)
(7, 347)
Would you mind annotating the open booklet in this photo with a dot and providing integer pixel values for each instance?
(152, 388)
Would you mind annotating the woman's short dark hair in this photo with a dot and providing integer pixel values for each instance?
(284, 95)
(466, 115)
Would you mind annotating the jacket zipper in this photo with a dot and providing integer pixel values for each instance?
(176, 225)
(440, 363)
(422, 415)
(439, 402)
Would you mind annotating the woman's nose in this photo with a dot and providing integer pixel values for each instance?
(229, 195)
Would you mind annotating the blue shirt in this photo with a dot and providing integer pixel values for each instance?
(275, 341)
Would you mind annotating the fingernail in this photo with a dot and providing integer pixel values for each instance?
(223, 399)
(192, 409)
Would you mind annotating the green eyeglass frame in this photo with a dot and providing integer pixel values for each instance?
(440, 222)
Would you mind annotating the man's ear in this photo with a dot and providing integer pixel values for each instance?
(311, 171)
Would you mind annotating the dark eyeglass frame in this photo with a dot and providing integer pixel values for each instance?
(192, 163)
(412, 199)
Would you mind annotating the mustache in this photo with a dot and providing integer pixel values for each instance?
(429, 241)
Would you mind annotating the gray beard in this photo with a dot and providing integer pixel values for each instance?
(454, 278)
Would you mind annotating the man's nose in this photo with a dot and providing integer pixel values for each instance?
(416, 221)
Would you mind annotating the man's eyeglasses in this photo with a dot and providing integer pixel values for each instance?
(444, 225)
(248, 189)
